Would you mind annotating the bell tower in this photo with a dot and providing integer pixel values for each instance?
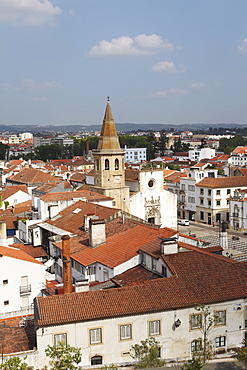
(109, 174)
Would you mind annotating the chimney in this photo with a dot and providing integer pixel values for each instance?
(87, 147)
(3, 240)
(67, 279)
(169, 246)
(97, 235)
(87, 218)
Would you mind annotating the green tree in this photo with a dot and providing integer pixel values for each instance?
(161, 144)
(14, 363)
(63, 357)
(180, 147)
(3, 149)
(147, 354)
(241, 353)
(204, 354)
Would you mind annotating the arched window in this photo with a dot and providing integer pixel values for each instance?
(107, 165)
(96, 360)
(116, 164)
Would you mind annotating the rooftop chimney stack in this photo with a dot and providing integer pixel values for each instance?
(97, 234)
(67, 279)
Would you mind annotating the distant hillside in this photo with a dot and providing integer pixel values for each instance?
(124, 127)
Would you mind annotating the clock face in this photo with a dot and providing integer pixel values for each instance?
(151, 184)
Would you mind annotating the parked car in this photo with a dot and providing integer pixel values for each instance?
(183, 222)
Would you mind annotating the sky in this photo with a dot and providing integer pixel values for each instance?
(160, 61)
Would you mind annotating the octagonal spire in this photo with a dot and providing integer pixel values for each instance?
(108, 137)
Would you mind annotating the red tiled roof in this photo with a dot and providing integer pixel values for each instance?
(131, 174)
(135, 275)
(18, 254)
(35, 252)
(122, 246)
(10, 190)
(16, 338)
(201, 278)
(32, 176)
(74, 221)
(223, 182)
(240, 150)
(89, 195)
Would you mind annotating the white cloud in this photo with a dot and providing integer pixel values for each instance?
(243, 47)
(71, 12)
(32, 85)
(159, 94)
(28, 12)
(198, 86)
(7, 86)
(125, 45)
(178, 91)
(168, 67)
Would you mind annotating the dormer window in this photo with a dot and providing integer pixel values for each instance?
(107, 165)
(116, 164)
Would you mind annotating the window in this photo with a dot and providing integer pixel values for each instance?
(196, 321)
(125, 332)
(217, 192)
(143, 259)
(5, 282)
(201, 191)
(228, 191)
(217, 202)
(97, 164)
(201, 201)
(153, 264)
(116, 164)
(60, 339)
(6, 303)
(164, 271)
(95, 336)
(209, 202)
(220, 317)
(220, 341)
(96, 360)
(209, 192)
(202, 215)
(154, 327)
(196, 345)
(191, 199)
(91, 270)
(107, 165)
(183, 187)
(191, 188)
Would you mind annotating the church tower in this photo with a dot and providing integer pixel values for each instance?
(109, 174)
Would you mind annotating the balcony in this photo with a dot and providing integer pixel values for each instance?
(182, 192)
(25, 289)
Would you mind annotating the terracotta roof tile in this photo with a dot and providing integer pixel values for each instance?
(16, 338)
(73, 221)
(223, 182)
(7, 191)
(32, 176)
(89, 195)
(201, 278)
(136, 275)
(18, 254)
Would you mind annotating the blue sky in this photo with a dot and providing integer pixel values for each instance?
(160, 61)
